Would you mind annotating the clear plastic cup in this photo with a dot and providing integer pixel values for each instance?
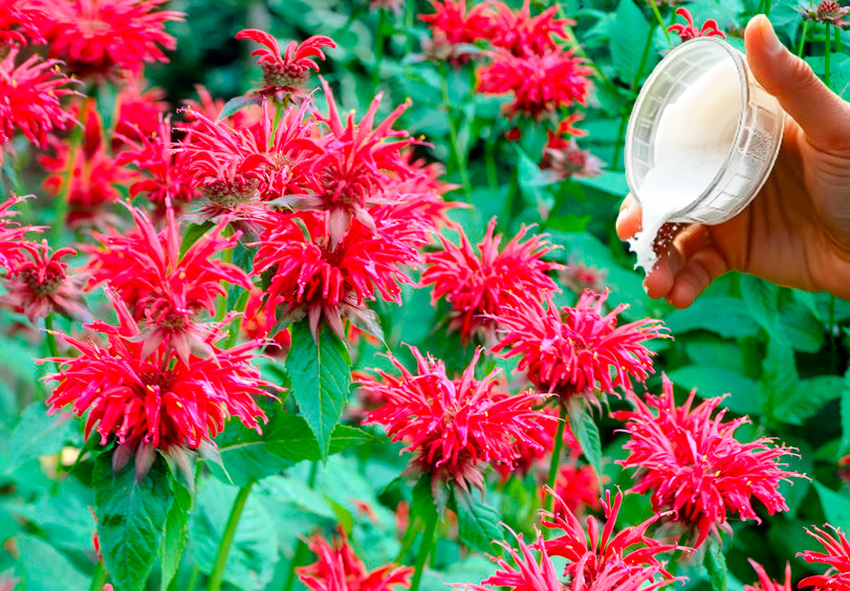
(753, 150)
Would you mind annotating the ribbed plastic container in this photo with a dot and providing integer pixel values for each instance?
(754, 148)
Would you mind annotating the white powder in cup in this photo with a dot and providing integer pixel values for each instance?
(693, 138)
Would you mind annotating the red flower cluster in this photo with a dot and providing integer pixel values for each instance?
(285, 76)
(339, 569)
(451, 426)
(562, 156)
(596, 561)
(19, 22)
(836, 555)
(519, 33)
(580, 350)
(453, 28)
(479, 286)
(689, 31)
(154, 399)
(29, 98)
(692, 464)
(168, 290)
(98, 38)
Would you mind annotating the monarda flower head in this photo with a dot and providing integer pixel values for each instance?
(541, 84)
(478, 285)
(453, 425)
(454, 29)
(596, 561)
(689, 30)
(313, 277)
(169, 290)
(521, 34)
(580, 350)
(12, 234)
(765, 583)
(827, 12)
(286, 76)
(339, 569)
(98, 38)
(155, 400)
(40, 284)
(836, 555)
(565, 160)
(19, 22)
(692, 464)
(29, 98)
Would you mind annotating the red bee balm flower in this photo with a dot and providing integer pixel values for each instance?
(286, 75)
(694, 466)
(452, 27)
(158, 399)
(316, 278)
(168, 289)
(29, 98)
(102, 37)
(452, 425)
(836, 555)
(625, 561)
(477, 286)
(339, 569)
(517, 32)
(42, 284)
(19, 23)
(689, 31)
(765, 583)
(541, 84)
(578, 350)
(12, 234)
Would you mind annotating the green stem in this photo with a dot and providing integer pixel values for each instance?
(803, 36)
(217, 575)
(379, 49)
(453, 142)
(490, 161)
(98, 579)
(50, 337)
(767, 8)
(660, 20)
(424, 549)
(193, 578)
(826, 52)
(555, 461)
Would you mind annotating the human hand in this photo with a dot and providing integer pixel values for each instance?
(796, 232)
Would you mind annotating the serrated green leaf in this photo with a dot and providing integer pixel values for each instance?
(587, 434)
(192, 234)
(808, 398)
(762, 300)
(836, 506)
(779, 378)
(726, 316)
(43, 568)
(627, 45)
(715, 564)
(36, 435)
(477, 523)
(610, 181)
(176, 529)
(320, 377)
(345, 437)
(422, 499)
(711, 381)
(131, 519)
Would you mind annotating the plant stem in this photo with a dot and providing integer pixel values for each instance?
(767, 7)
(50, 337)
(827, 50)
(554, 462)
(379, 49)
(660, 20)
(217, 575)
(490, 161)
(193, 578)
(803, 38)
(453, 143)
(424, 549)
(98, 579)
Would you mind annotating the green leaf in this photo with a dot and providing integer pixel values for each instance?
(808, 398)
(711, 381)
(176, 528)
(845, 417)
(610, 181)
(836, 506)
(628, 43)
(236, 104)
(587, 434)
(43, 568)
(320, 377)
(726, 316)
(779, 379)
(762, 300)
(567, 223)
(345, 437)
(477, 523)
(192, 234)
(36, 435)
(715, 564)
(131, 517)
(422, 503)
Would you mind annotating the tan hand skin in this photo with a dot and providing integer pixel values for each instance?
(796, 232)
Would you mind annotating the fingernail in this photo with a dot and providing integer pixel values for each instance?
(623, 212)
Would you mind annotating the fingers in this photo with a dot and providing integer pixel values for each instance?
(822, 114)
(629, 219)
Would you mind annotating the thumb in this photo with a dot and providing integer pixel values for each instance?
(823, 115)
